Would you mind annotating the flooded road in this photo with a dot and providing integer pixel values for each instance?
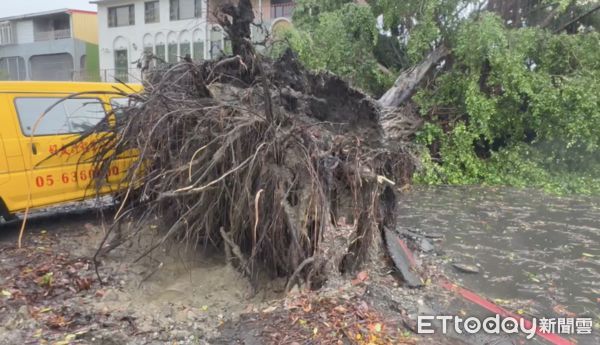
(538, 255)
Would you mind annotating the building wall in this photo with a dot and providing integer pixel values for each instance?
(74, 58)
(73, 47)
(85, 26)
(134, 38)
(92, 69)
(24, 31)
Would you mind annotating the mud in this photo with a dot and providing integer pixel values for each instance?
(51, 294)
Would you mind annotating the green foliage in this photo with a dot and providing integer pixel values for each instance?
(422, 24)
(515, 104)
(390, 53)
(539, 100)
(306, 12)
(340, 38)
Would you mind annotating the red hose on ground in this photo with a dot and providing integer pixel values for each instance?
(496, 309)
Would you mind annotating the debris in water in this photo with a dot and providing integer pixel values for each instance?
(402, 258)
(465, 268)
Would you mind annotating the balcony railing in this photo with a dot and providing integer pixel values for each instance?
(52, 35)
(282, 10)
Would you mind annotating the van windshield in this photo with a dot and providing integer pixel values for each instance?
(68, 116)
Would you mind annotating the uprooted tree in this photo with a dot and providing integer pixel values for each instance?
(283, 169)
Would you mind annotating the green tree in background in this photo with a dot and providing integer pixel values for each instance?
(341, 37)
(515, 100)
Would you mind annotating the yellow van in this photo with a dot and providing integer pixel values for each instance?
(37, 167)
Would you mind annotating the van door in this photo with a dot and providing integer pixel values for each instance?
(14, 184)
(43, 133)
(4, 177)
(4, 172)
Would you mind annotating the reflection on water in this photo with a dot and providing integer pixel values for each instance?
(538, 254)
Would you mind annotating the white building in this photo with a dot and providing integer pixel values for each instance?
(169, 29)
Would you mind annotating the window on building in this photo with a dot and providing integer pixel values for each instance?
(74, 115)
(152, 12)
(216, 49)
(6, 33)
(216, 42)
(185, 49)
(121, 16)
(228, 49)
(185, 9)
(160, 52)
(12, 68)
(198, 50)
(172, 58)
(121, 65)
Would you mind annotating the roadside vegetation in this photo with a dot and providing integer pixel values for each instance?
(511, 98)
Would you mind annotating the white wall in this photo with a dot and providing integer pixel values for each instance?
(132, 37)
(24, 30)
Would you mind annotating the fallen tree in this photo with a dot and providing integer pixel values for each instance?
(281, 168)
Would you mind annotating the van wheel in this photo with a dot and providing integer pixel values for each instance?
(9, 217)
(4, 213)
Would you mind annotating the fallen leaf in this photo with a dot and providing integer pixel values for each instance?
(83, 283)
(361, 277)
(269, 310)
(340, 309)
(38, 333)
(6, 293)
(562, 310)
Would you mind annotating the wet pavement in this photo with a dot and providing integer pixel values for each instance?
(537, 255)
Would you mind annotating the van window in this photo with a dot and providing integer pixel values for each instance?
(70, 116)
(119, 105)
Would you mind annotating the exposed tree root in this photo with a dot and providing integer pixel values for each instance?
(265, 149)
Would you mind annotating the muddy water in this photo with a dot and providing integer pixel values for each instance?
(537, 254)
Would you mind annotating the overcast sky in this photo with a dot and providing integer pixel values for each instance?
(16, 7)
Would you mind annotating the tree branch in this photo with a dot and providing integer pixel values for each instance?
(578, 18)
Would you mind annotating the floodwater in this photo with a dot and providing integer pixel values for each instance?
(538, 255)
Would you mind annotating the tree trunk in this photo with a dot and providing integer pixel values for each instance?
(407, 83)
(236, 20)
